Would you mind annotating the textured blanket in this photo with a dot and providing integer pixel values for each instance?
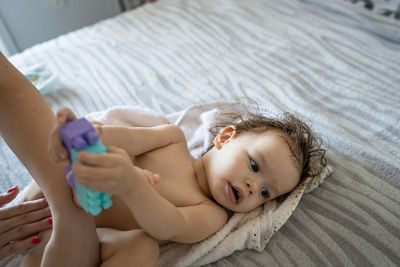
(333, 63)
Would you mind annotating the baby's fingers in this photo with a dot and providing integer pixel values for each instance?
(95, 178)
(152, 178)
(100, 160)
(117, 151)
(64, 116)
(113, 157)
(91, 173)
(156, 178)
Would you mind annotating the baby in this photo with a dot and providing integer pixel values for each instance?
(161, 193)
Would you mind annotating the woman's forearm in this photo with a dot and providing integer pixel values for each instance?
(25, 123)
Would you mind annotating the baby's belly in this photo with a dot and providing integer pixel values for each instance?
(159, 161)
(118, 216)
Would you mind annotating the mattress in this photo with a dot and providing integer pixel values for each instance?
(336, 64)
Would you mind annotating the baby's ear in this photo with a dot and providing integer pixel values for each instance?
(228, 133)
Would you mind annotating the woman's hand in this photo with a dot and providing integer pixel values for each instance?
(20, 224)
(112, 173)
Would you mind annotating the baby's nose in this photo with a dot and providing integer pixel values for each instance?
(251, 186)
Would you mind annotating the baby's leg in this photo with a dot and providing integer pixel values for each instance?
(127, 248)
(32, 192)
(26, 121)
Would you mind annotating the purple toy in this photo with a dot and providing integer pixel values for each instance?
(77, 133)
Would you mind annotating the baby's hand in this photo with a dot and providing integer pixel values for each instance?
(151, 178)
(57, 151)
(111, 173)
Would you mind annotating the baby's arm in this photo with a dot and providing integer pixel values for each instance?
(164, 221)
(139, 140)
(134, 140)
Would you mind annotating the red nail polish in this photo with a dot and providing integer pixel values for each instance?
(11, 189)
(36, 240)
(50, 221)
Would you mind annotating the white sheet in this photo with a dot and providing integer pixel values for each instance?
(333, 63)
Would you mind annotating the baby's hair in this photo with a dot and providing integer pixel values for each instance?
(304, 145)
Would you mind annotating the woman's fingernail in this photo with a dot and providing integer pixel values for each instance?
(50, 220)
(36, 240)
(11, 189)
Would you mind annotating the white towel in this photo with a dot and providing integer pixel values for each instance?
(250, 230)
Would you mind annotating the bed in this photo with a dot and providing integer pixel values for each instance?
(334, 63)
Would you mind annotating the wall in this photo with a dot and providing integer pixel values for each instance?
(24, 23)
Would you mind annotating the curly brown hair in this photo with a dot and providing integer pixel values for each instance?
(305, 146)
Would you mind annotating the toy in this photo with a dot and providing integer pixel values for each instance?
(80, 135)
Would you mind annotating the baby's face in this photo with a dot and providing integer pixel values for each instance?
(250, 169)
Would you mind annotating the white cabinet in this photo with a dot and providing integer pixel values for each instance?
(24, 23)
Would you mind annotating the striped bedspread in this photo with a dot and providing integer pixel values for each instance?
(335, 64)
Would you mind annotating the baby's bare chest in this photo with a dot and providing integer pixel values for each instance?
(175, 166)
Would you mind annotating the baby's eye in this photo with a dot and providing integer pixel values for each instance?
(264, 192)
(253, 165)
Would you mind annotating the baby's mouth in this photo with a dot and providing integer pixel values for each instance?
(234, 194)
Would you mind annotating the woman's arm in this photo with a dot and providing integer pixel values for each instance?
(26, 121)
